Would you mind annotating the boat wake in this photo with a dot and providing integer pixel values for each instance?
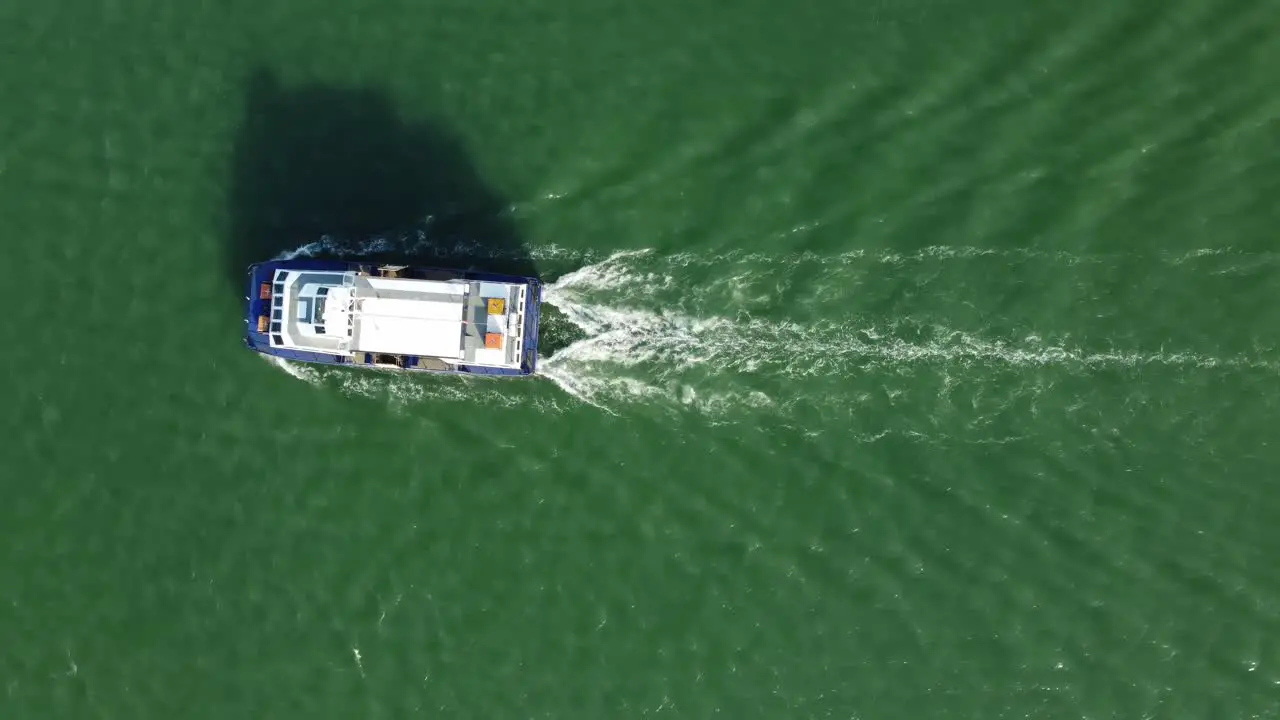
(301, 371)
(651, 331)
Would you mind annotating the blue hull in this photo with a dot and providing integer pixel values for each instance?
(259, 342)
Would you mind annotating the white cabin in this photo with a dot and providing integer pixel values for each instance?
(454, 321)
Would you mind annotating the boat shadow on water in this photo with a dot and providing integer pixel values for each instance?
(337, 166)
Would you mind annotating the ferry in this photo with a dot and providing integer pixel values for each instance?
(397, 317)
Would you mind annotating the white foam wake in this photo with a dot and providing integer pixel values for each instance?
(297, 370)
(633, 351)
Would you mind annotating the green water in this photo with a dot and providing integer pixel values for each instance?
(909, 359)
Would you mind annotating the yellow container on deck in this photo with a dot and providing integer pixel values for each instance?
(497, 306)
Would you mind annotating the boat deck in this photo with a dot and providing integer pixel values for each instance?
(339, 312)
(479, 322)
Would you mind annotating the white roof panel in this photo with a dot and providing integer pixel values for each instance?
(412, 285)
(494, 290)
(491, 356)
(408, 336)
(420, 309)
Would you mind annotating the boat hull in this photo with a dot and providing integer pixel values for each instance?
(258, 341)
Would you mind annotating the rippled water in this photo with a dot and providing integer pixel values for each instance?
(909, 359)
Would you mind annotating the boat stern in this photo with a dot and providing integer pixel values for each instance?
(533, 303)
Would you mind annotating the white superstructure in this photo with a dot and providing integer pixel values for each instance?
(385, 319)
